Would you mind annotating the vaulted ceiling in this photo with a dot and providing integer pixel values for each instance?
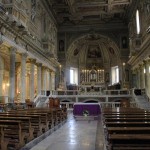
(89, 12)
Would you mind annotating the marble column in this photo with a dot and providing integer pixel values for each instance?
(32, 88)
(28, 83)
(134, 78)
(47, 79)
(53, 80)
(12, 75)
(39, 66)
(1, 82)
(142, 80)
(44, 78)
(123, 75)
(67, 75)
(23, 77)
(120, 73)
(138, 78)
(1, 75)
(147, 76)
(50, 80)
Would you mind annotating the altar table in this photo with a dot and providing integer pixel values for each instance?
(92, 108)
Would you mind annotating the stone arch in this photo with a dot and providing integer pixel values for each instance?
(66, 100)
(91, 100)
(78, 49)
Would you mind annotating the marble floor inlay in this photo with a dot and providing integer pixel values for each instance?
(73, 135)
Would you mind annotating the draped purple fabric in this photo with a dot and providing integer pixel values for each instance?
(93, 109)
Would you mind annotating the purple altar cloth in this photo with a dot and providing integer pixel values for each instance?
(92, 108)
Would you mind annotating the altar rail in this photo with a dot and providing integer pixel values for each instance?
(78, 92)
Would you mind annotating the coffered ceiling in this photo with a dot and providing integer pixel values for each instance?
(88, 12)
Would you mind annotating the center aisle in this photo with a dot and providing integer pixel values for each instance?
(73, 135)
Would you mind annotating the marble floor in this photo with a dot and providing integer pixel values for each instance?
(75, 135)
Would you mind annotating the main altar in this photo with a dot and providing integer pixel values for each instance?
(92, 80)
(93, 76)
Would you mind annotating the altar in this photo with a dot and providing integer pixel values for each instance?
(91, 109)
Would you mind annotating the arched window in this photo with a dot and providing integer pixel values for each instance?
(137, 22)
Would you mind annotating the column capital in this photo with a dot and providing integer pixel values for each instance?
(50, 70)
(13, 49)
(24, 55)
(141, 65)
(144, 62)
(32, 61)
(39, 64)
(147, 61)
(44, 67)
(134, 71)
(53, 73)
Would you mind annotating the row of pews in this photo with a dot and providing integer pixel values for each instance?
(127, 129)
(18, 127)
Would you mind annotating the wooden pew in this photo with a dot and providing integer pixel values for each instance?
(127, 129)
(130, 141)
(3, 140)
(26, 125)
(128, 109)
(45, 117)
(125, 119)
(127, 116)
(32, 123)
(135, 130)
(57, 114)
(14, 133)
(35, 121)
(127, 124)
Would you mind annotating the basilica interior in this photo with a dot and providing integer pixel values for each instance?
(75, 51)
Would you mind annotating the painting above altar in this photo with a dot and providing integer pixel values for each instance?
(93, 51)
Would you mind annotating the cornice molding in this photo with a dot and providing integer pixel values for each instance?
(87, 28)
